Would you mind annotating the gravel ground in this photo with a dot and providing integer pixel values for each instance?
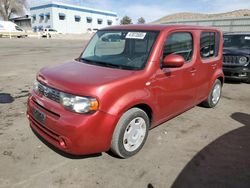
(200, 148)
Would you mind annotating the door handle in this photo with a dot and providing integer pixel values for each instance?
(214, 66)
(193, 70)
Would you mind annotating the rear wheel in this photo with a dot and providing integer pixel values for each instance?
(130, 133)
(214, 95)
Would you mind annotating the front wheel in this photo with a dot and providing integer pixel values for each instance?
(214, 95)
(130, 133)
(248, 79)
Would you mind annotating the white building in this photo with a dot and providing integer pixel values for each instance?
(67, 18)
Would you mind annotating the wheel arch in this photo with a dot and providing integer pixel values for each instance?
(147, 109)
(221, 80)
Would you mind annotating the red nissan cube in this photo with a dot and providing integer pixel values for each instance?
(128, 80)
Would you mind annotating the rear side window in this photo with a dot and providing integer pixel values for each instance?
(52, 30)
(209, 44)
(18, 28)
(180, 43)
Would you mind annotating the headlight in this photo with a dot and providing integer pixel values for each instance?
(78, 104)
(243, 60)
(35, 86)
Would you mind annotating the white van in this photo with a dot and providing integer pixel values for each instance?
(10, 27)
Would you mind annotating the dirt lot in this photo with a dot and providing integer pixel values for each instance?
(200, 148)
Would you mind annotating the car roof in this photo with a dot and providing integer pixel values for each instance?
(156, 27)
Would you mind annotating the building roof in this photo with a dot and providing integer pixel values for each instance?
(42, 5)
(26, 17)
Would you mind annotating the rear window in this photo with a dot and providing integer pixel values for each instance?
(209, 44)
(52, 30)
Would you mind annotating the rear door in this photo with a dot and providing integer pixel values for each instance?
(209, 61)
(177, 86)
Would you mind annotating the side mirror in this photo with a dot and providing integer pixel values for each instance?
(173, 61)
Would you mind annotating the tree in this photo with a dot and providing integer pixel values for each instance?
(126, 20)
(141, 20)
(12, 7)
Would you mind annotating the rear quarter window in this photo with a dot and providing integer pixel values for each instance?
(209, 44)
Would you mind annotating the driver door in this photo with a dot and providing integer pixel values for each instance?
(177, 86)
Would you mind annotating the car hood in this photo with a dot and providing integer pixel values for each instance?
(236, 51)
(80, 78)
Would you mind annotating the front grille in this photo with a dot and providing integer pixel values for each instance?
(51, 112)
(233, 60)
(49, 92)
(227, 73)
(229, 59)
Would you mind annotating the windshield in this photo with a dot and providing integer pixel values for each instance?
(120, 49)
(237, 41)
(18, 28)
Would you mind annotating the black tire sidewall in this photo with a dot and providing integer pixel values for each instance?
(248, 80)
(211, 104)
(122, 150)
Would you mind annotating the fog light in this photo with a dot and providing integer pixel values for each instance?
(62, 142)
(243, 74)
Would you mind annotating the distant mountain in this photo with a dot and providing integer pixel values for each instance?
(195, 16)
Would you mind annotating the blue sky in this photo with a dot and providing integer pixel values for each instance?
(155, 9)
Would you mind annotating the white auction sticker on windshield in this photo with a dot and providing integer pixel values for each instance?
(135, 35)
(247, 38)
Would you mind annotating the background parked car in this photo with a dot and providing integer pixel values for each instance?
(236, 60)
(48, 32)
(90, 30)
(10, 27)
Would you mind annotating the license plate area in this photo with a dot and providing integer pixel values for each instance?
(38, 115)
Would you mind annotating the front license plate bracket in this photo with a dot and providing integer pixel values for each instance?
(38, 115)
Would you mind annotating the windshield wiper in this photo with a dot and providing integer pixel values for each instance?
(87, 60)
(106, 64)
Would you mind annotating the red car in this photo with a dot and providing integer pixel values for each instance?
(128, 80)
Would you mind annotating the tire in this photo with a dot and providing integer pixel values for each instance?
(214, 95)
(248, 80)
(130, 133)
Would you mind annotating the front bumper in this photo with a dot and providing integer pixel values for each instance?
(71, 132)
(236, 73)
